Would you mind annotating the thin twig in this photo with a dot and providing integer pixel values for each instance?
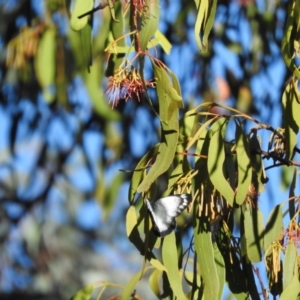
(274, 156)
(100, 6)
(264, 291)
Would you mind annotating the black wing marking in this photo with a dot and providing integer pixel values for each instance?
(164, 210)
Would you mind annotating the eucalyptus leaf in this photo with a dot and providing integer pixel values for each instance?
(80, 7)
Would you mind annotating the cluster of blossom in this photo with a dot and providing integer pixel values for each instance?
(126, 84)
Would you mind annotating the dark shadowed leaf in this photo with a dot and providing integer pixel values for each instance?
(290, 34)
(244, 165)
(290, 125)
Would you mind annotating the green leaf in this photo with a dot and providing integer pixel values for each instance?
(176, 86)
(296, 107)
(253, 224)
(86, 40)
(150, 20)
(45, 64)
(170, 260)
(129, 288)
(292, 291)
(209, 24)
(203, 128)
(293, 202)
(206, 260)
(139, 172)
(204, 22)
(244, 165)
(80, 7)
(134, 237)
(190, 277)
(173, 178)
(291, 33)
(258, 174)
(117, 29)
(167, 94)
(215, 162)
(93, 84)
(289, 264)
(112, 10)
(290, 125)
(166, 152)
(154, 282)
(220, 266)
(159, 38)
(112, 195)
(84, 294)
(274, 227)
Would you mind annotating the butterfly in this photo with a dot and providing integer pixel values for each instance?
(163, 212)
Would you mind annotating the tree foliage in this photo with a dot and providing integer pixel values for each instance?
(220, 154)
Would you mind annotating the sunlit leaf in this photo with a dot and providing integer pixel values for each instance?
(112, 194)
(170, 259)
(292, 290)
(176, 86)
(112, 10)
(139, 172)
(154, 282)
(253, 224)
(290, 125)
(215, 163)
(221, 271)
(84, 294)
(45, 64)
(289, 263)
(206, 260)
(204, 22)
(98, 100)
(159, 38)
(134, 237)
(129, 288)
(209, 23)
(80, 7)
(168, 96)
(274, 227)
(291, 33)
(197, 135)
(117, 29)
(150, 19)
(166, 152)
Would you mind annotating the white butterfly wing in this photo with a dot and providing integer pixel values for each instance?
(164, 210)
(172, 205)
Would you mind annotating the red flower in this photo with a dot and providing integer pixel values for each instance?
(126, 84)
